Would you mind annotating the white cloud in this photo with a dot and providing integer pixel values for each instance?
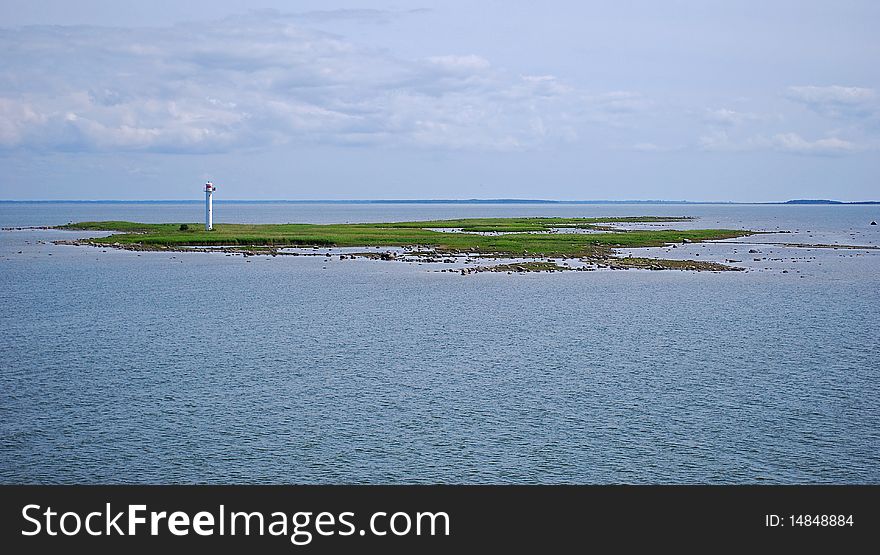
(837, 101)
(728, 118)
(364, 15)
(263, 79)
(792, 142)
(832, 94)
(15, 118)
(460, 64)
(856, 108)
(545, 85)
(652, 147)
(721, 141)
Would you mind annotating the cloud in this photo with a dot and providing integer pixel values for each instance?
(856, 107)
(834, 94)
(652, 147)
(460, 64)
(792, 142)
(837, 101)
(728, 118)
(263, 79)
(366, 15)
(721, 141)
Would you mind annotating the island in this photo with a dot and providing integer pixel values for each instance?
(500, 244)
(827, 201)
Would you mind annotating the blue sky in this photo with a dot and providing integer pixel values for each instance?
(697, 100)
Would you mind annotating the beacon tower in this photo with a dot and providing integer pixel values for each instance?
(209, 206)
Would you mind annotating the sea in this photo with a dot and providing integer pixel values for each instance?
(167, 367)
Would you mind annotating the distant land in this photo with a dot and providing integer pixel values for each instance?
(823, 201)
(429, 201)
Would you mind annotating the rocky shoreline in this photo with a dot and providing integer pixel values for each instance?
(415, 255)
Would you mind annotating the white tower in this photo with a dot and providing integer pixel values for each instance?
(209, 206)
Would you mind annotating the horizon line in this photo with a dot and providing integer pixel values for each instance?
(428, 201)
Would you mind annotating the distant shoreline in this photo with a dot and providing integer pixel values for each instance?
(799, 202)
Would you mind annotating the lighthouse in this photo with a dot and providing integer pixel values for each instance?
(209, 206)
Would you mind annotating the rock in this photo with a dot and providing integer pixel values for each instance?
(873, 222)
(754, 251)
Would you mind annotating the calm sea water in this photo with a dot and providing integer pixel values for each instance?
(119, 366)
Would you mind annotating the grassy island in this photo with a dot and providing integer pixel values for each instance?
(592, 239)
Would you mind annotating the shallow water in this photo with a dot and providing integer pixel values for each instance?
(120, 366)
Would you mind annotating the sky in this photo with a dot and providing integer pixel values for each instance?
(567, 100)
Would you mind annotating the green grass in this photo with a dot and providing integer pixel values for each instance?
(397, 234)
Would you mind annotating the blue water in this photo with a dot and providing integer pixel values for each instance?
(120, 366)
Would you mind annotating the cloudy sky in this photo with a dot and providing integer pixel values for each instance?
(699, 100)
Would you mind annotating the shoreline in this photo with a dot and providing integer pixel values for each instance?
(515, 245)
(411, 255)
